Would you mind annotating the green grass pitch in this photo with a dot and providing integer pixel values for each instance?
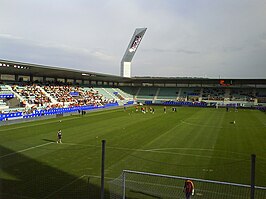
(194, 142)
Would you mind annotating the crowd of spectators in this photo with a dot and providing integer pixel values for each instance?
(61, 93)
(217, 94)
(76, 96)
(92, 97)
(261, 95)
(242, 95)
(32, 94)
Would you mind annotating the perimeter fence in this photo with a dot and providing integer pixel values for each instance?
(142, 185)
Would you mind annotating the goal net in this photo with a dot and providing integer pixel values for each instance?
(134, 184)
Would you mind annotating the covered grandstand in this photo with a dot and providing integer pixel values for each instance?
(30, 90)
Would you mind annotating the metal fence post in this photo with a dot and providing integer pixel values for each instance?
(89, 191)
(102, 169)
(252, 177)
(124, 185)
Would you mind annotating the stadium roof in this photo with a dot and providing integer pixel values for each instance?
(19, 68)
(27, 69)
(196, 80)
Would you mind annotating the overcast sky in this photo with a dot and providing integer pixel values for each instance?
(192, 38)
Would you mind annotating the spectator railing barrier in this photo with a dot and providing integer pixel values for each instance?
(39, 113)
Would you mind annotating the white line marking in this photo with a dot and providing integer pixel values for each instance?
(23, 150)
(221, 127)
(92, 176)
(31, 125)
(199, 149)
(82, 169)
(50, 122)
(160, 151)
(66, 185)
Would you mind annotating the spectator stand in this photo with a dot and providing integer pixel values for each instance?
(52, 111)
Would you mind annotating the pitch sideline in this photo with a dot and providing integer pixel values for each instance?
(27, 149)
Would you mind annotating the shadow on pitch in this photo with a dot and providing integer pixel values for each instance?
(47, 140)
(24, 177)
(145, 194)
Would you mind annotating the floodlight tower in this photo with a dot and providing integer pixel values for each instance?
(130, 52)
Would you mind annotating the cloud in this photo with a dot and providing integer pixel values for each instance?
(177, 51)
(43, 53)
(9, 36)
(183, 37)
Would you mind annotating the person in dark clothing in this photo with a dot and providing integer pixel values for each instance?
(189, 189)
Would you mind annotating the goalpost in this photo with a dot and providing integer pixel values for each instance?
(135, 184)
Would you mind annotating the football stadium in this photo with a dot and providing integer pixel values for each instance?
(129, 137)
(76, 134)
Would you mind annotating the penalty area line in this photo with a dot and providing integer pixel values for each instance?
(63, 187)
(160, 151)
(27, 149)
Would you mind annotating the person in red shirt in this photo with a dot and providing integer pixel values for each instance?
(189, 189)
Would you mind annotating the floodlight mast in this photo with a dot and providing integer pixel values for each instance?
(130, 52)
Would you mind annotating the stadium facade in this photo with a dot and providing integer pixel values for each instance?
(121, 90)
(12, 71)
(83, 91)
